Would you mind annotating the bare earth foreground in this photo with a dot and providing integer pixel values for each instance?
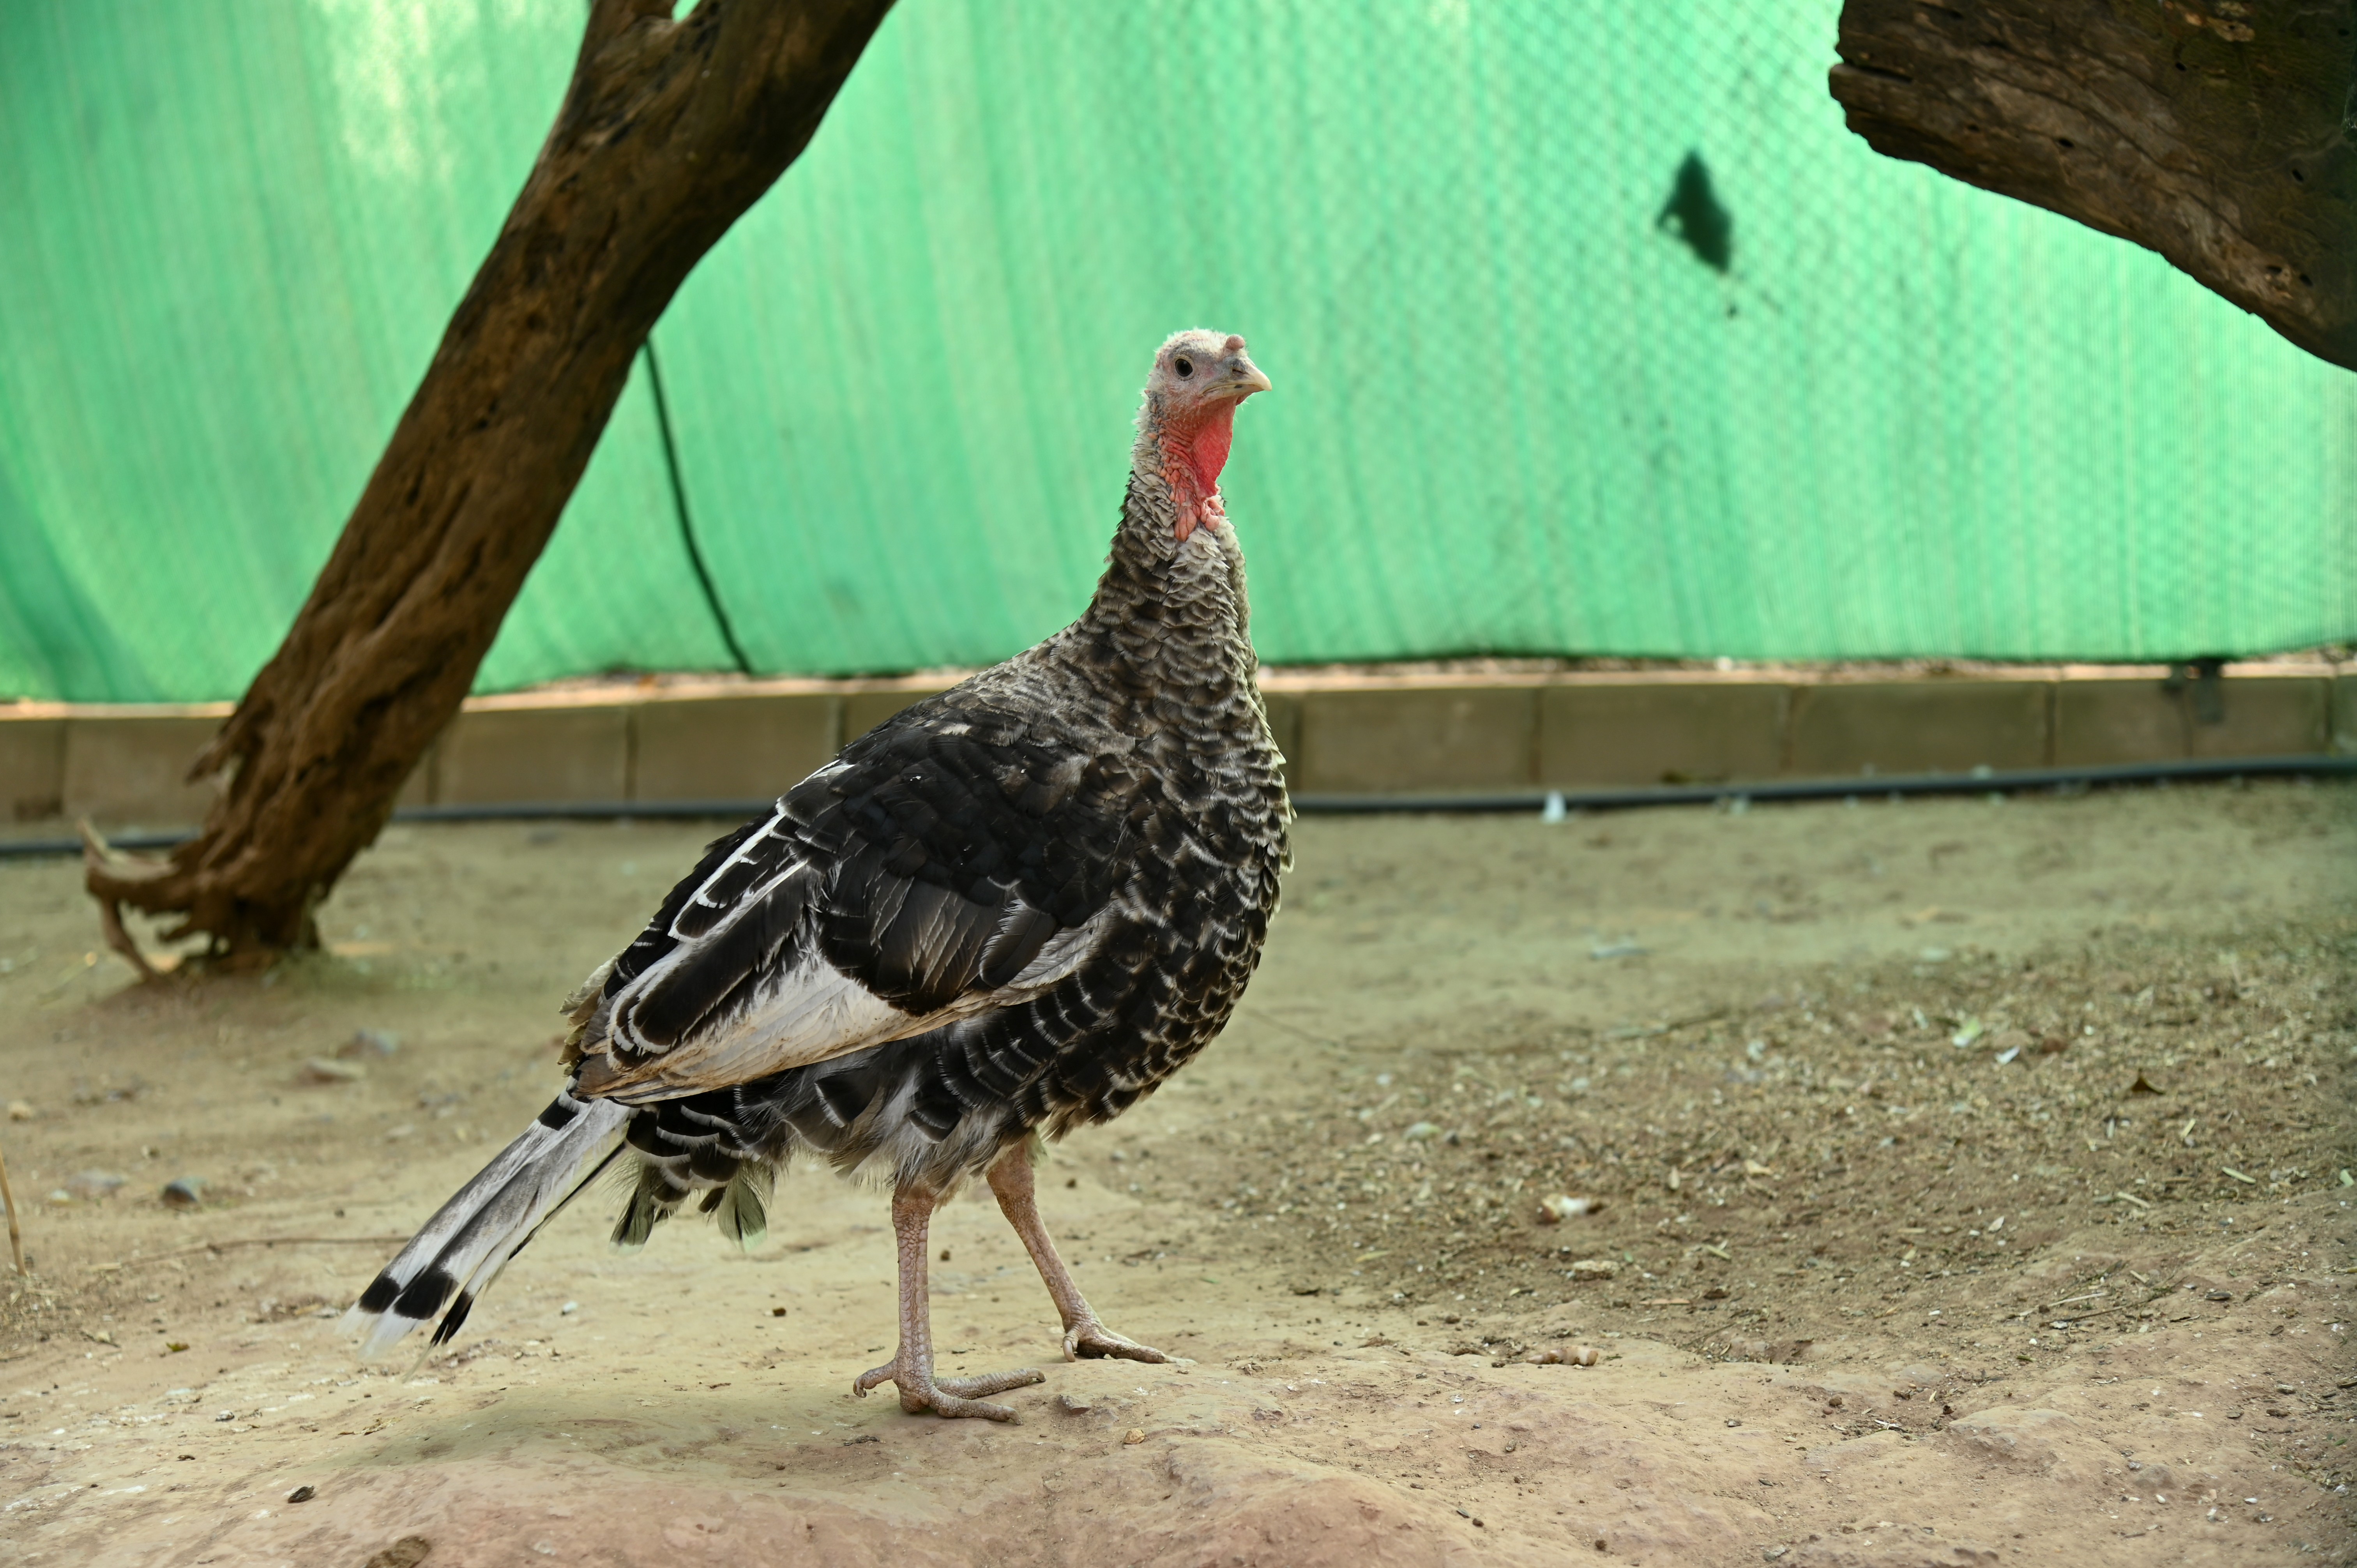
(1972, 1182)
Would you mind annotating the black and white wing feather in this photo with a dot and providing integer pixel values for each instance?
(954, 862)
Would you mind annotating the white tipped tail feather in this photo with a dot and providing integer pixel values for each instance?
(462, 1248)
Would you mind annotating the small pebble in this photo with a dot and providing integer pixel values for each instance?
(1567, 1356)
(184, 1193)
(1133, 1435)
(1556, 1209)
(302, 1495)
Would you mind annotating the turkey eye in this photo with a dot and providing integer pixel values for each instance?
(1184, 366)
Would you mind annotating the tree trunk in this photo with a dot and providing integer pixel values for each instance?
(668, 133)
(2222, 134)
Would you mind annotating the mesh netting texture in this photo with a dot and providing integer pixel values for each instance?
(1593, 332)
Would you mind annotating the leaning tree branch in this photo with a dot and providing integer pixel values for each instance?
(668, 133)
(2220, 134)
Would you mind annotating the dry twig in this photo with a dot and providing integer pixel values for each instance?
(15, 1237)
(261, 1242)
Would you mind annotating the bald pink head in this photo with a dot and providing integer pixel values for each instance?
(1189, 414)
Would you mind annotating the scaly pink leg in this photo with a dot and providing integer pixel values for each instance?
(1084, 1333)
(913, 1368)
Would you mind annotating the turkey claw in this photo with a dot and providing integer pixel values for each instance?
(1090, 1339)
(948, 1398)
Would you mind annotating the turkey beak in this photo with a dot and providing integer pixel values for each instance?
(1245, 377)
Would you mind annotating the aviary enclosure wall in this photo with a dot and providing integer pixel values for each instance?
(1593, 331)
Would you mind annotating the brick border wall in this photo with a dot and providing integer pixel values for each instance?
(1376, 735)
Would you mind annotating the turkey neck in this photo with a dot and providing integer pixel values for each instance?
(1171, 614)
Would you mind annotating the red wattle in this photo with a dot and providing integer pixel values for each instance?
(1192, 457)
(1208, 450)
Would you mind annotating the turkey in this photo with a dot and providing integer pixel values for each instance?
(1011, 910)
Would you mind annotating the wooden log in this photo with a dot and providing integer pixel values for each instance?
(2220, 134)
(669, 130)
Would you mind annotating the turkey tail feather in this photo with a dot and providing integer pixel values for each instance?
(470, 1240)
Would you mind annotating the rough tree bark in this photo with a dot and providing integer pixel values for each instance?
(668, 133)
(2221, 134)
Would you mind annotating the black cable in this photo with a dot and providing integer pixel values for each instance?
(2063, 779)
(1862, 787)
(679, 504)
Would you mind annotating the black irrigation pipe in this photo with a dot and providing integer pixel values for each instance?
(1989, 782)
(1981, 781)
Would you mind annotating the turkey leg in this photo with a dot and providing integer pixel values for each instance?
(913, 1368)
(1084, 1333)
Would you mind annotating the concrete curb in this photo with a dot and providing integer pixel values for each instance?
(1414, 736)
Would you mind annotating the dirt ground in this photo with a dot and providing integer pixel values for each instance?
(1972, 1177)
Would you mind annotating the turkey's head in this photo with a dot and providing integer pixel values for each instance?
(1189, 415)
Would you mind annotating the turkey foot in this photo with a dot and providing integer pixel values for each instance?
(1088, 1338)
(948, 1397)
(911, 1367)
(1085, 1335)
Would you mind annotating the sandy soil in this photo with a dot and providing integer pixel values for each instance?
(2073, 1290)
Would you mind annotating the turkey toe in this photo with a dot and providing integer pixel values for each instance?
(950, 1398)
(1091, 1339)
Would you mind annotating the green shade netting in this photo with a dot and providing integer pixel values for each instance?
(1517, 411)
